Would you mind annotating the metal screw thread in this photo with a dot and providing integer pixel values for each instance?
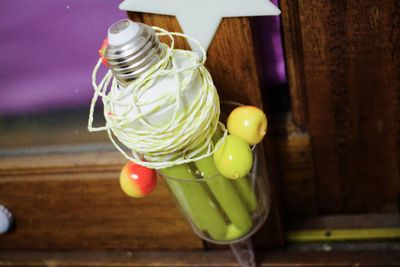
(131, 59)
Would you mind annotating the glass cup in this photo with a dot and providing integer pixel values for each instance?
(221, 210)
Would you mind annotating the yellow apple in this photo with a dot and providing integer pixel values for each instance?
(233, 158)
(249, 123)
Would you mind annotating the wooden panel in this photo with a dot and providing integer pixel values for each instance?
(210, 258)
(61, 163)
(364, 228)
(91, 177)
(47, 128)
(350, 55)
(348, 221)
(294, 61)
(295, 166)
(59, 206)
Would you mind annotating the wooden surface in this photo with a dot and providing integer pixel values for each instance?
(295, 166)
(361, 228)
(348, 221)
(52, 128)
(34, 187)
(292, 39)
(74, 202)
(210, 258)
(343, 61)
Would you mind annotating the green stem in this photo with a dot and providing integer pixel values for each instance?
(195, 201)
(246, 191)
(226, 195)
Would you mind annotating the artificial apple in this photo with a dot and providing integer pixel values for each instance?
(249, 123)
(233, 158)
(137, 181)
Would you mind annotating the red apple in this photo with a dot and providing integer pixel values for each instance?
(137, 181)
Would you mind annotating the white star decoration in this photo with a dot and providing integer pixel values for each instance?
(200, 18)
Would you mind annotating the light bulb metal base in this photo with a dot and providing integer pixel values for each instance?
(134, 49)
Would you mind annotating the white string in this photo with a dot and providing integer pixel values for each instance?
(181, 140)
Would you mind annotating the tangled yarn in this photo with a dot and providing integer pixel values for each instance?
(183, 139)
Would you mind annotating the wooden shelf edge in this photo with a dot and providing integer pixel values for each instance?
(198, 258)
(75, 162)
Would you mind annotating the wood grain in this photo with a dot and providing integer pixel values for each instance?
(60, 163)
(349, 51)
(210, 258)
(48, 128)
(292, 152)
(59, 207)
(292, 40)
(348, 221)
(295, 166)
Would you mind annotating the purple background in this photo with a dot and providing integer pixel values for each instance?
(49, 48)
